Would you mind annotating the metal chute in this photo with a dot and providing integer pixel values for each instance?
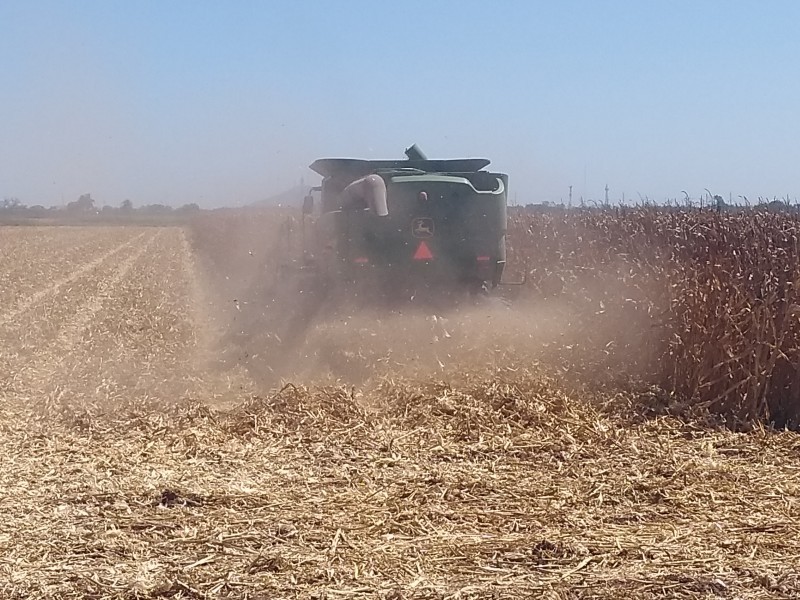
(369, 191)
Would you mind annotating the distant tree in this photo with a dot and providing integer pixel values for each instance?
(126, 206)
(12, 204)
(84, 204)
(776, 206)
(156, 209)
(189, 208)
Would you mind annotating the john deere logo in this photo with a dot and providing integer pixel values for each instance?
(422, 227)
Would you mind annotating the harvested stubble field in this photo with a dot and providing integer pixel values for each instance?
(134, 466)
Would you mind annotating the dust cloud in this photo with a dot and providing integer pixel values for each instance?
(269, 326)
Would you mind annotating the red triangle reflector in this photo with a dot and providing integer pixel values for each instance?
(423, 252)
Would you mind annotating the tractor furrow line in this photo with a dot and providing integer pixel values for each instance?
(52, 289)
(70, 335)
(61, 366)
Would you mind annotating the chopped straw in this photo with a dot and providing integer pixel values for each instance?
(413, 490)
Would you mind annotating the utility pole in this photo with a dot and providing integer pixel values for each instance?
(606, 193)
(570, 195)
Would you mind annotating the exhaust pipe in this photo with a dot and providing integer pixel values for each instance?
(370, 190)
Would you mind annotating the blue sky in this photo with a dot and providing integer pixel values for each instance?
(224, 103)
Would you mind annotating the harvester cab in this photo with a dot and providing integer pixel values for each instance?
(406, 227)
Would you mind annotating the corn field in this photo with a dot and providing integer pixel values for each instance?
(705, 303)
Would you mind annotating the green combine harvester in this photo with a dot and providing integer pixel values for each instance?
(418, 228)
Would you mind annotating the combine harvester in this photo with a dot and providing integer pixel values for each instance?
(404, 230)
(384, 234)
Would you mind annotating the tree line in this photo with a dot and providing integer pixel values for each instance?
(86, 207)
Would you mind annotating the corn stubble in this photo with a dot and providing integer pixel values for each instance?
(426, 490)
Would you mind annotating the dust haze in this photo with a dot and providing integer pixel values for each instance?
(260, 323)
(104, 318)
